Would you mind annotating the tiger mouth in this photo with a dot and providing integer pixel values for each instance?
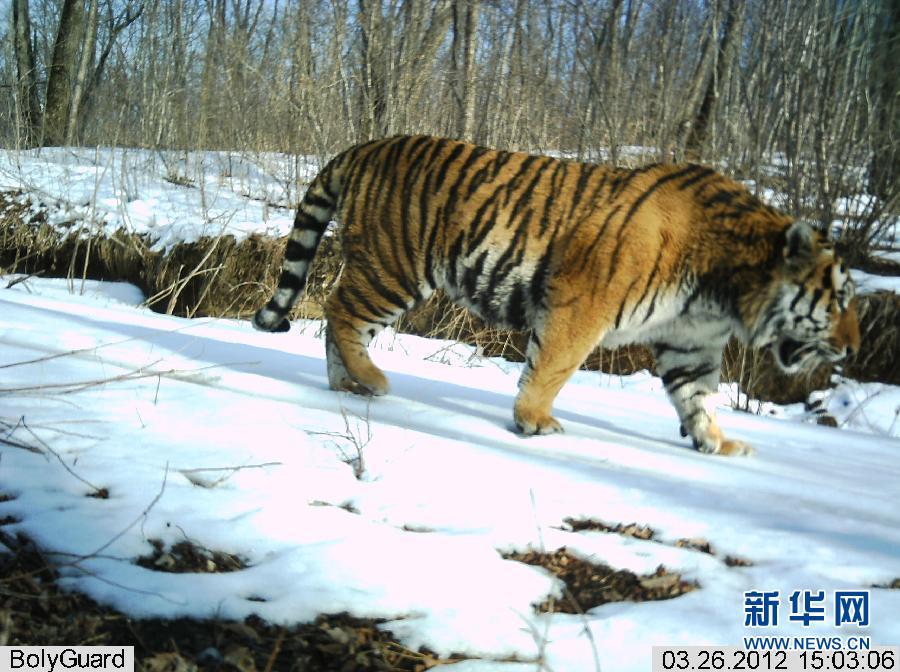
(790, 353)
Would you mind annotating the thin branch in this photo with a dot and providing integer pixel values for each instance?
(58, 457)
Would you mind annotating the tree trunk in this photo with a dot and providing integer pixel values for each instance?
(705, 65)
(374, 66)
(87, 58)
(884, 168)
(26, 89)
(212, 63)
(465, 25)
(62, 72)
(731, 38)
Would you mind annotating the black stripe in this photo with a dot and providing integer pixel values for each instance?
(550, 200)
(515, 307)
(389, 295)
(453, 259)
(649, 282)
(511, 258)
(649, 191)
(461, 175)
(676, 378)
(584, 176)
(652, 307)
(721, 198)
(541, 274)
(800, 293)
(513, 183)
(660, 348)
(818, 293)
(432, 186)
(431, 241)
(294, 251)
(350, 300)
(525, 198)
(275, 308)
(312, 200)
(704, 173)
(622, 304)
(471, 275)
(481, 230)
(304, 220)
(826, 278)
(445, 166)
(625, 177)
(290, 281)
(499, 160)
(429, 222)
(589, 250)
(415, 166)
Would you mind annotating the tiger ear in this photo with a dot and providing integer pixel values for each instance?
(800, 243)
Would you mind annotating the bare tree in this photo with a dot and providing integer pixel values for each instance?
(884, 168)
(465, 23)
(26, 87)
(84, 66)
(721, 74)
(62, 72)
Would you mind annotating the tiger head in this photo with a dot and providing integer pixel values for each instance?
(811, 316)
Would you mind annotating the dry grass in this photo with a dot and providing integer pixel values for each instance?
(34, 610)
(219, 277)
(589, 585)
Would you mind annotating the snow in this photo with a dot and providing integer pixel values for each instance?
(209, 431)
(868, 283)
(170, 197)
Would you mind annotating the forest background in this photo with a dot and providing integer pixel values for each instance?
(810, 86)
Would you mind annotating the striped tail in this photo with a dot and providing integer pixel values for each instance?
(312, 219)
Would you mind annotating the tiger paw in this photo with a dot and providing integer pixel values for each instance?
(735, 448)
(724, 447)
(540, 425)
(347, 384)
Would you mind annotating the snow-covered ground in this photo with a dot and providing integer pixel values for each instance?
(208, 431)
(170, 197)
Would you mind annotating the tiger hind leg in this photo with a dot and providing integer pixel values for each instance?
(355, 315)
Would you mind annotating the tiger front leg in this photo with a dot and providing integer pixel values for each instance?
(691, 377)
(554, 352)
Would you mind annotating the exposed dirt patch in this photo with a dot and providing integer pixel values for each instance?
(893, 585)
(703, 546)
(589, 585)
(629, 530)
(647, 533)
(346, 506)
(734, 561)
(189, 557)
(695, 544)
(7, 520)
(34, 610)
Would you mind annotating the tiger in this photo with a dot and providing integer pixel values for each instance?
(674, 256)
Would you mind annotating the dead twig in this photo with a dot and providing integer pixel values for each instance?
(191, 474)
(15, 281)
(59, 457)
